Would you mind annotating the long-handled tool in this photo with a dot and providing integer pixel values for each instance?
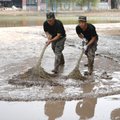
(41, 56)
(38, 70)
(34, 74)
(75, 74)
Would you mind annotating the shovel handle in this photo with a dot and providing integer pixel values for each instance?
(78, 63)
(41, 55)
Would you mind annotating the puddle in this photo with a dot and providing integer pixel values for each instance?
(67, 99)
(104, 82)
(20, 52)
(106, 108)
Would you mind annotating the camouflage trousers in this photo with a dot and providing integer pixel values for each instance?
(91, 56)
(58, 47)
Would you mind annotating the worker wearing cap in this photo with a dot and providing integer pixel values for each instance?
(56, 35)
(87, 32)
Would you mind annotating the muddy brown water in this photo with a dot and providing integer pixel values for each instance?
(24, 48)
(68, 97)
(100, 79)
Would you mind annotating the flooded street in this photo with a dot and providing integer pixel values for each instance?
(20, 49)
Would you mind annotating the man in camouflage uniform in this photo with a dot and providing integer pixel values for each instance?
(56, 35)
(87, 32)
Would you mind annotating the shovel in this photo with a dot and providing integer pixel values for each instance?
(38, 70)
(75, 74)
(41, 56)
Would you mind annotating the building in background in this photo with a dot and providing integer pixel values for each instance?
(60, 5)
(23, 4)
(5, 3)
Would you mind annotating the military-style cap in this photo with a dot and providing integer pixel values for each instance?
(82, 18)
(50, 15)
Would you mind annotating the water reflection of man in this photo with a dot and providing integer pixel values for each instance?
(54, 109)
(115, 114)
(86, 107)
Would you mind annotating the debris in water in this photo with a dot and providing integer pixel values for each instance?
(105, 75)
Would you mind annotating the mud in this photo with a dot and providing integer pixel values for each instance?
(20, 53)
(101, 83)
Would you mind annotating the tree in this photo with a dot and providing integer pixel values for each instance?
(87, 3)
(66, 4)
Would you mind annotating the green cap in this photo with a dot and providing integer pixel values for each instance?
(82, 18)
(50, 15)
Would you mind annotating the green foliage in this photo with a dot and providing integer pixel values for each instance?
(54, 4)
(84, 2)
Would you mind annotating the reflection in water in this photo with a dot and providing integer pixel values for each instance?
(86, 108)
(115, 114)
(54, 109)
(105, 109)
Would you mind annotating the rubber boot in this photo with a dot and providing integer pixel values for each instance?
(90, 67)
(57, 63)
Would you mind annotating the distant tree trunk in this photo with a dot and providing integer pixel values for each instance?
(114, 4)
(51, 5)
(88, 5)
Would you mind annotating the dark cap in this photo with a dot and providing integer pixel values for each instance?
(50, 15)
(82, 18)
